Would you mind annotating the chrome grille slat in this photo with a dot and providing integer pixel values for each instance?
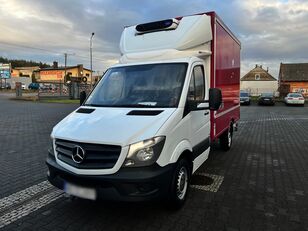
(98, 156)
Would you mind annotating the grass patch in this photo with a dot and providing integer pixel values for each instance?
(26, 98)
(66, 101)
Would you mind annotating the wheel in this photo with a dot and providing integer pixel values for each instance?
(180, 185)
(226, 139)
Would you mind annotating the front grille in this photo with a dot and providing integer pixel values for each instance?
(97, 156)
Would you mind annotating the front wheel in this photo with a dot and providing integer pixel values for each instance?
(226, 139)
(180, 185)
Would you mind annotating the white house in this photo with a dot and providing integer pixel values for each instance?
(259, 81)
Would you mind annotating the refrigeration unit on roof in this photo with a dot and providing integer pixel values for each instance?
(176, 34)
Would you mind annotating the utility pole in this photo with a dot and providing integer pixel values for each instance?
(65, 61)
(91, 59)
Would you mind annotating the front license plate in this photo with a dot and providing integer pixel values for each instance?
(79, 191)
(266, 99)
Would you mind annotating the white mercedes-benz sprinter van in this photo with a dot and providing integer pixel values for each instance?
(145, 128)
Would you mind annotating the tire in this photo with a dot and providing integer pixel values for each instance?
(226, 139)
(180, 185)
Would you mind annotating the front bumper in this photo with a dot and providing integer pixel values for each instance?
(244, 101)
(128, 184)
(266, 102)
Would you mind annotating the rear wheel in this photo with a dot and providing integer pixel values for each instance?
(180, 184)
(226, 139)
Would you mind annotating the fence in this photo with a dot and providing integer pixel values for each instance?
(61, 90)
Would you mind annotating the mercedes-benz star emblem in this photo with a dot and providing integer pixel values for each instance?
(78, 154)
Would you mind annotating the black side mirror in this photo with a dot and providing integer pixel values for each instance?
(82, 97)
(215, 99)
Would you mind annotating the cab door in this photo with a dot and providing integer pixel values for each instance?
(199, 120)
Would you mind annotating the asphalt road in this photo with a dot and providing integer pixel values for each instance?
(260, 184)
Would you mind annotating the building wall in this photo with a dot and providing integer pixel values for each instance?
(14, 73)
(20, 71)
(301, 87)
(58, 75)
(258, 87)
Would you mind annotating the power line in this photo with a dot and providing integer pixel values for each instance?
(29, 47)
(46, 50)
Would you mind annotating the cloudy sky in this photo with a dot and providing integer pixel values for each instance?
(271, 31)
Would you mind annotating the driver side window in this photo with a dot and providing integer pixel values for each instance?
(196, 86)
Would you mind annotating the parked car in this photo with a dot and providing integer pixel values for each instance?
(34, 86)
(6, 86)
(244, 98)
(266, 99)
(294, 98)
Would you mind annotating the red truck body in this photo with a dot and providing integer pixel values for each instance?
(225, 74)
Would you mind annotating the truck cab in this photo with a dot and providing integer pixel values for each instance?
(147, 125)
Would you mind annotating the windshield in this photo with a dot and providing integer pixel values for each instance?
(267, 94)
(151, 85)
(244, 94)
(295, 95)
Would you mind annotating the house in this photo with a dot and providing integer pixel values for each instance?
(259, 81)
(293, 77)
(23, 71)
(56, 74)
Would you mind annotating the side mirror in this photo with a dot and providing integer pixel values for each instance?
(82, 97)
(215, 99)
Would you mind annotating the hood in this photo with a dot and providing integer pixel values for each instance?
(119, 126)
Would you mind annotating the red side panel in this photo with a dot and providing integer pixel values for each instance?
(225, 74)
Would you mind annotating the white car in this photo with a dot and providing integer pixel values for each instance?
(294, 98)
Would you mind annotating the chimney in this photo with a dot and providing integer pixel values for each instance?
(267, 69)
(55, 64)
(256, 65)
(261, 66)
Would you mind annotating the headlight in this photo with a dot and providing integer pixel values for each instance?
(144, 153)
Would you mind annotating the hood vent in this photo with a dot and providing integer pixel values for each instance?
(145, 112)
(85, 110)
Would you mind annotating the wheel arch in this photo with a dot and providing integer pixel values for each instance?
(182, 150)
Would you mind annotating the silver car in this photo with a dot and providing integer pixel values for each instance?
(294, 98)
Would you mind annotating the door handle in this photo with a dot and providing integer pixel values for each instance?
(206, 113)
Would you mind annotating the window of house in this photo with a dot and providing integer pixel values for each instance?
(257, 76)
(196, 85)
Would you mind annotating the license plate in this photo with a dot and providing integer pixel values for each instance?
(80, 191)
(266, 99)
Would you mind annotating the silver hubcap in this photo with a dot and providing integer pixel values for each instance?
(229, 138)
(182, 182)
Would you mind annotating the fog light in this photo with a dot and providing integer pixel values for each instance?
(129, 163)
(145, 154)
